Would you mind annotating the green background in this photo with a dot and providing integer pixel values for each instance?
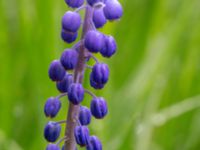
(154, 88)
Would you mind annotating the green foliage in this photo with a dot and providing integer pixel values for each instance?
(154, 88)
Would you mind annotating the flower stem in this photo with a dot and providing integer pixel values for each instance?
(73, 110)
(90, 93)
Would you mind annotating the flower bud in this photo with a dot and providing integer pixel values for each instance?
(84, 115)
(113, 9)
(68, 37)
(94, 41)
(52, 107)
(71, 21)
(63, 85)
(74, 3)
(110, 47)
(52, 147)
(99, 18)
(81, 134)
(56, 71)
(95, 84)
(94, 143)
(69, 59)
(52, 131)
(98, 107)
(75, 93)
(99, 75)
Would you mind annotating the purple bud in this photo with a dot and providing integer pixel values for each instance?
(94, 41)
(113, 9)
(71, 21)
(75, 93)
(99, 75)
(63, 85)
(69, 59)
(52, 107)
(94, 143)
(99, 18)
(52, 131)
(52, 147)
(95, 84)
(98, 107)
(56, 71)
(84, 115)
(92, 2)
(81, 134)
(74, 3)
(110, 47)
(68, 37)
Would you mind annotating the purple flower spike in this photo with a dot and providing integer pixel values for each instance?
(74, 3)
(56, 71)
(63, 85)
(94, 143)
(68, 37)
(52, 107)
(92, 2)
(98, 107)
(52, 131)
(71, 21)
(84, 115)
(110, 47)
(52, 147)
(99, 75)
(75, 93)
(75, 60)
(113, 10)
(81, 134)
(99, 18)
(94, 41)
(69, 59)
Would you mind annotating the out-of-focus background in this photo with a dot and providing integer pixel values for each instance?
(154, 88)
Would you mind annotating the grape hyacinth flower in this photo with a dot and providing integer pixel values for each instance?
(68, 37)
(75, 93)
(56, 71)
(52, 107)
(113, 9)
(84, 116)
(99, 18)
(71, 21)
(99, 107)
(99, 75)
(69, 59)
(81, 134)
(53, 147)
(74, 3)
(63, 85)
(68, 73)
(52, 131)
(94, 143)
(94, 41)
(110, 47)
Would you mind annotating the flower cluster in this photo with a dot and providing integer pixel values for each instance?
(63, 73)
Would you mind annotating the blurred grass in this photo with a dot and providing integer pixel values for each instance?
(154, 88)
